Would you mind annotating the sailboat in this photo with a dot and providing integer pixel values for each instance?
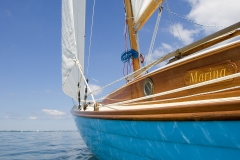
(188, 109)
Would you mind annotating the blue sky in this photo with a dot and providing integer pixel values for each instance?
(31, 96)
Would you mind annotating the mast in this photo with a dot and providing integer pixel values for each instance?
(132, 33)
(137, 14)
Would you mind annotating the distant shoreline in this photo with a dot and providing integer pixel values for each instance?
(38, 131)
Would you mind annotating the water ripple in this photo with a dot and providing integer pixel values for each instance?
(43, 145)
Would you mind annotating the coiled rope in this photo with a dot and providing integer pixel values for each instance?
(127, 55)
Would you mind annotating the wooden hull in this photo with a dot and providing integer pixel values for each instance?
(173, 76)
(142, 140)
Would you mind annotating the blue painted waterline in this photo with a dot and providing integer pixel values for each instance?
(126, 140)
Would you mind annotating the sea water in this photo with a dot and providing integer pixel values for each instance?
(43, 145)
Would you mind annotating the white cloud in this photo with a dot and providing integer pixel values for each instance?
(160, 52)
(214, 12)
(53, 112)
(182, 34)
(95, 87)
(167, 47)
(32, 118)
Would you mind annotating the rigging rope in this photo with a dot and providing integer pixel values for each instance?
(154, 36)
(192, 20)
(90, 36)
(125, 34)
(126, 64)
(171, 18)
(98, 81)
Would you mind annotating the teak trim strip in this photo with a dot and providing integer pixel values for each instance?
(228, 110)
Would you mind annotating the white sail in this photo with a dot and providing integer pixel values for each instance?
(138, 8)
(73, 41)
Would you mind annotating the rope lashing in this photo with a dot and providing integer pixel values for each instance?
(125, 57)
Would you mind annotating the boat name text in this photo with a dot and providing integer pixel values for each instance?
(210, 72)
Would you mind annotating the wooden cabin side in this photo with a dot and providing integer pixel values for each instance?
(174, 77)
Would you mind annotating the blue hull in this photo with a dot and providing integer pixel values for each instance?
(126, 140)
